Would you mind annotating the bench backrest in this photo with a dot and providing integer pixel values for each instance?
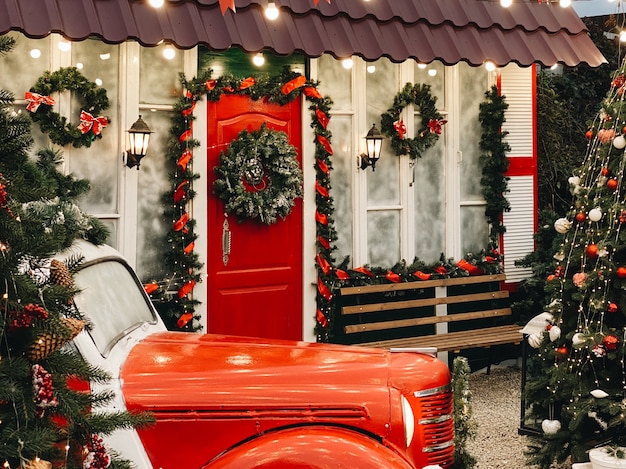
(397, 310)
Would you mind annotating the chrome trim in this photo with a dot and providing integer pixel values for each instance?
(432, 391)
(440, 446)
(442, 418)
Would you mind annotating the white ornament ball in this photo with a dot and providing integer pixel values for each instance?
(535, 340)
(578, 339)
(550, 427)
(599, 394)
(554, 333)
(619, 142)
(595, 214)
(574, 180)
(562, 225)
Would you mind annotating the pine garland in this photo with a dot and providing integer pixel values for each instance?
(494, 161)
(464, 424)
(57, 127)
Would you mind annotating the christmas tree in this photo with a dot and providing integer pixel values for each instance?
(577, 381)
(46, 417)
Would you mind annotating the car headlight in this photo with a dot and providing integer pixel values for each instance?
(409, 421)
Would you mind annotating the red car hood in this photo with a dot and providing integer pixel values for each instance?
(181, 371)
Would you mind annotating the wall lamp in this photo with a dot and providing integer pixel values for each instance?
(138, 136)
(374, 143)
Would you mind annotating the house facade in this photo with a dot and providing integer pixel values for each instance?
(360, 55)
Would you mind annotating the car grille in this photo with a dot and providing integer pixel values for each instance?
(436, 421)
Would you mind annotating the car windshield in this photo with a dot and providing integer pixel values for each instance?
(113, 300)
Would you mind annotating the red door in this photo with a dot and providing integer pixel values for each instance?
(258, 290)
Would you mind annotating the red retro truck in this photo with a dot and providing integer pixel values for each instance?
(237, 403)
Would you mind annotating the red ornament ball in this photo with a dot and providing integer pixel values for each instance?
(581, 217)
(589, 134)
(605, 171)
(611, 184)
(592, 251)
(621, 272)
(612, 308)
(562, 351)
(610, 342)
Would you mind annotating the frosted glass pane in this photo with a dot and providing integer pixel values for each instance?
(383, 186)
(159, 77)
(101, 162)
(18, 69)
(341, 183)
(432, 74)
(153, 183)
(473, 82)
(383, 238)
(335, 81)
(429, 190)
(474, 229)
(112, 226)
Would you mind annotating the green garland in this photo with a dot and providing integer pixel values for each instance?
(57, 127)
(430, 127)
(259, 176)
(494, 161)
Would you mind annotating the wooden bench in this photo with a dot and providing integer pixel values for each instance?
(449, 314)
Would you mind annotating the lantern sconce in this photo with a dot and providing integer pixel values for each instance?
(138, 136)
(374, 143)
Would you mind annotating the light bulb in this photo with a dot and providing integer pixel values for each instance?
(371, 68)
(169, 52)
(490, 66)
(35, 53)
(565, 3)
(258, 60)
(271, 12)
(156, 3)
(347, 63)
(506, 3)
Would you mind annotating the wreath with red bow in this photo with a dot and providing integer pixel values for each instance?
(94, 101)
(430, 128)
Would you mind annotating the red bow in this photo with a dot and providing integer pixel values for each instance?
(400, 128)
(35, 99)
(96, 124)
(435, 125)
(226, 4)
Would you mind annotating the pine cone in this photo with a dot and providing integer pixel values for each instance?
(48, 342)
(61, 275)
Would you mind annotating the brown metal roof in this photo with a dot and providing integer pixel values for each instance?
(425, 30)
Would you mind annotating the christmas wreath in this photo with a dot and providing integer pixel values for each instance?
(259, 176)
(60, 131)
(393, 127)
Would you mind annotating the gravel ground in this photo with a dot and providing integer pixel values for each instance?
(496, 409)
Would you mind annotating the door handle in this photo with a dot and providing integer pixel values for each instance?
(226, 239)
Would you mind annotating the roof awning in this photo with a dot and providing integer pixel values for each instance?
(451, 31)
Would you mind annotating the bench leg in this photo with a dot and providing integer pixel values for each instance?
(489, 360)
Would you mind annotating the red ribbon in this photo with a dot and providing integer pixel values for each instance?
(150, 288)
(321, 319)
(181, 222)
(226, 4)
(322, 166)
(210, 84)
(247, 83)
(179, 193)
(323, 242)
(469, 267)
(311, 92)
(321, 117)
(421, 275)
(184, 159)
(435, 125)
(323, 263)
(189, 248)
(342, 274)
(393, 277)
(291, 85)
(321, 190)
(184, 319)
(441, 270)
(186, 289)
(323, 289)
(89, 122)
(315, 2)
(363, 270)
(186, 135)
(35, 99)
(400, 128)
(189, 110)
(321, 218)
(325, 143)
